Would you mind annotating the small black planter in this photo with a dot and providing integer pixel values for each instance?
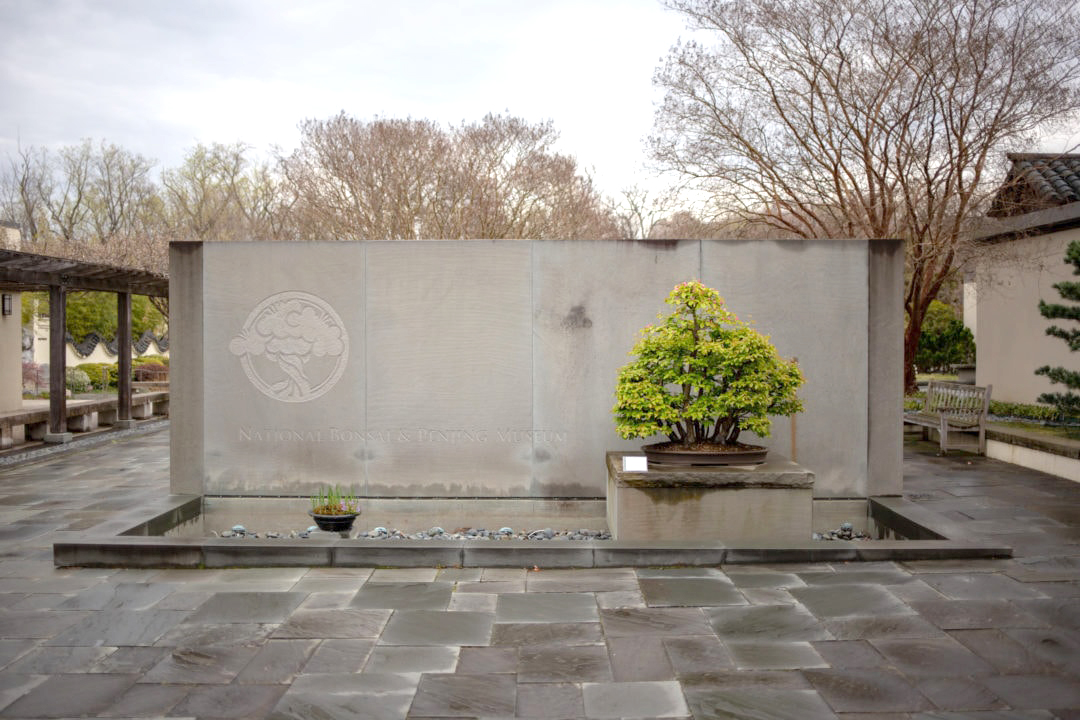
(334, 523)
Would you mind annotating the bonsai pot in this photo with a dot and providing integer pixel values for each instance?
(673, 453)
(334, 523)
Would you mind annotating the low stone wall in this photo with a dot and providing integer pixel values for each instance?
(1046, 454)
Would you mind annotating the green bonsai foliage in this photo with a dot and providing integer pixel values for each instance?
(334, 501)
(1068, 402)
(702, 375)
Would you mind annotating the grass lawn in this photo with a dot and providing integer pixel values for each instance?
(1069, 432)
(937, 377)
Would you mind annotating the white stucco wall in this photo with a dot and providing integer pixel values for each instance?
(11, 356)
(1011, 278)
(99, 355)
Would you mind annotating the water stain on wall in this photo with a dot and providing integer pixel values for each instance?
(576, 319)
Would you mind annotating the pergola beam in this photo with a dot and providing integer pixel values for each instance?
(27, 271)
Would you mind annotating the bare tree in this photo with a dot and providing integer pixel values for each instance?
(68, 199)
(865, 118)
(24, 185)
(639, 210)
(406, 178)
(122, 195)
(220, 194)
(198, 195)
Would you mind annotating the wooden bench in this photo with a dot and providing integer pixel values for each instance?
(957, 412)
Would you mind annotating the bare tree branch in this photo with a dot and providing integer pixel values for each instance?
(865, 118)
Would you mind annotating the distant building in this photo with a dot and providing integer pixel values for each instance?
(1033, 218)
(11, 334)
(10, 237)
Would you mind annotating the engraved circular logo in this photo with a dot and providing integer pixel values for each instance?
(293, 347)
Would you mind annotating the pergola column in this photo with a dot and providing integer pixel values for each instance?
(123, 351)
(57, 366)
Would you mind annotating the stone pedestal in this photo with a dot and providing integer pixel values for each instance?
(82, 423)
(771, 502)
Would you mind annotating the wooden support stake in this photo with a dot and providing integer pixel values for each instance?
(794, 428)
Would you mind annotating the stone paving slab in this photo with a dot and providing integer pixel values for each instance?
(690, 592)
(575, 663)
(635, 699)
(914, 640)
(635, 659)
(548, 700)
(780, 704)
(560, 633)
(431, 627)
(462, 695)
(766, 622)
(546, 608)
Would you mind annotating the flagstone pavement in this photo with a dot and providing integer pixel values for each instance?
(981, 639)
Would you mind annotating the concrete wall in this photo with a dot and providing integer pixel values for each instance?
(11, 356)
(487, 368)
(1011, 278)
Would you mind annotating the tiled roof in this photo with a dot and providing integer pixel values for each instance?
(1037, 181)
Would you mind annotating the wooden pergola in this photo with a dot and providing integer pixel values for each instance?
(25, 272)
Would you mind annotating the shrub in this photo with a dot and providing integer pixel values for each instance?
(944, 342)
(33, 377)
(1042, 413)
(77, 380)
(1068, 402)
(915, 402)
(158, 359)
(101, 375)
(150, 372)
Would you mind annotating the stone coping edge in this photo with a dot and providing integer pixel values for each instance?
(1031, 441)
(154, 552)
(126, 542)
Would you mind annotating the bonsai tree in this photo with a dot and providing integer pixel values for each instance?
(1067, 403)
(702, 376)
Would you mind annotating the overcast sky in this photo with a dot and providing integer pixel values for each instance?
(157, 76)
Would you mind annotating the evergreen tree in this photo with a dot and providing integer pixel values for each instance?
(1067, 403)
